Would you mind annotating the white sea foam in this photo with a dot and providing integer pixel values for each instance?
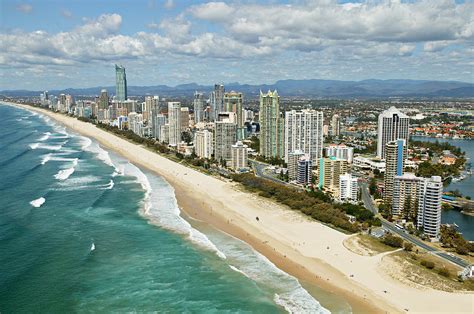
(46, 146)
(85, 142)
(45, 136)
(34, 145)
(100, 153)
(66, 173)
(287, 291)
(110, 186)
(162, 209)
(38, 202)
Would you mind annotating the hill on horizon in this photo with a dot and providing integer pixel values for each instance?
(371, 88)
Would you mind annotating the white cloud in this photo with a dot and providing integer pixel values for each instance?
(169, 4)
(25, 8)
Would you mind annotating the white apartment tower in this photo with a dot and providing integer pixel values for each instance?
(203, 141)
(348, 188)
(429, 212)
(335, 126)
(304, 131)
(239, 156)
(174, 121)
(393, 125)
(340, 152)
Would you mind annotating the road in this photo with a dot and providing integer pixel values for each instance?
(369, 204)
(260, 172)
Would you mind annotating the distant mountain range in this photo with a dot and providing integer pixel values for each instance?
(293, 88)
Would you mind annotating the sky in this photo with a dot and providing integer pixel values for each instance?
(54, 44)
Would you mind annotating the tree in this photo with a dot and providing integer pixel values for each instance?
(407, 246)
(392, 241)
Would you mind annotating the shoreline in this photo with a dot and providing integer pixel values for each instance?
(278, 234)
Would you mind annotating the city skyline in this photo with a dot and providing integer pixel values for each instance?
(172, 42)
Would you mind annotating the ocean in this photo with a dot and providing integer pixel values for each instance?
(84, 230)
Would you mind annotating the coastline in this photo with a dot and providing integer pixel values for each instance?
(302, 247)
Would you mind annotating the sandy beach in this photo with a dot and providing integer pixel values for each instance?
(302, 247)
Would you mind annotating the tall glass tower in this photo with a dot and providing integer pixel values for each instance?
(120, 83)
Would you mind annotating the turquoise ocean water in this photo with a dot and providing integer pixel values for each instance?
(83, 230)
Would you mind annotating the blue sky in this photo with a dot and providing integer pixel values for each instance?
(59, 44)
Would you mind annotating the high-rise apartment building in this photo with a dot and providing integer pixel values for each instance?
(151, 107)
(184, 116)
(329, 173)
(199, 105)
(233, 103)
(340, 151)
(392, 125)
(271, 126)
(304, 132)
(225, 136)
(164, 135)
(120, 83)
(305, 170)
(174, 121)
(103, 99)
(216, 101)
(239, 156)
(429, 212)
(335, 127)
(203, 144)
(419, 200)
(348, 188)
(293, 158)
(157, 121)
(395, 154)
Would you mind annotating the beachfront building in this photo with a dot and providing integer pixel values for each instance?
(198, 104)
(292, 163)
(164, 135)
(329, 171)
(304, 132)
(216, 101)
(392, 125)
(174, 121)
(203, 141)
(348, 188)
(239, 157)
(395, 154)
(340, 151)
(418, 199)
(120, 83)
(225, 136)
(150, 107)
(335, 126)
(157, 120)
(429, 211)
(305, 169)
(135, 122)
(271, 126)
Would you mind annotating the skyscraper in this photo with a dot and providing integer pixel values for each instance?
(419, 200)
(271, 126)
(225, 136)
(198, 103)
(429, 212)
(103, 99)
(174, 121)
(239, 156)
(184, 117)
(392, 125)
(304, 132)
(335, 127)
(233, 103)
(216, 101)
(348, 188)
(203, 141)
(330, 169)
(292, 162)
(305, 170)
(395, 153)
(120, 83)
